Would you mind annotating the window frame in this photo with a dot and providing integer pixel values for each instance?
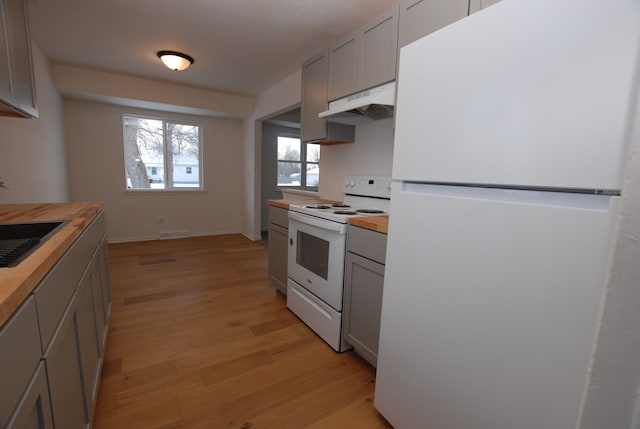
(165, 120)
(303, 164)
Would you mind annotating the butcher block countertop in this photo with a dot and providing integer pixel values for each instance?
(17, 282)
(374, 223)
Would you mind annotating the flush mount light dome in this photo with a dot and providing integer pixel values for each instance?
(175, 60)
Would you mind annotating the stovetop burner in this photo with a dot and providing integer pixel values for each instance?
(318, 206)
(370, 211)
(363, 196)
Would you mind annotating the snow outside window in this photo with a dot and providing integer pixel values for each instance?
(161, 154)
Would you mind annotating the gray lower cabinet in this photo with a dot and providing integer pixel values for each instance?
(23, 396)
(53, 345)
(64, 364)
(34, 409)
(363, 285)
(74, 355)
(278, 248)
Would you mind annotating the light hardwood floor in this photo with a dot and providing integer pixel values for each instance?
(199, 338)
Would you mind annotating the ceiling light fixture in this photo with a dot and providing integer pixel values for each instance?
(175, 60)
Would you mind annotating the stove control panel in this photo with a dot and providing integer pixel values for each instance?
(370, 186)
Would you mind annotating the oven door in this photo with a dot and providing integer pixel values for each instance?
(316, 256)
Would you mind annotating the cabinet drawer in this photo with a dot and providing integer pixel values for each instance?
(370, 244)
(34, 409)
(55, 291)
(19, 356)
(279, 216)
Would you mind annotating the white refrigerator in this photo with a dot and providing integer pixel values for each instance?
(510, 145)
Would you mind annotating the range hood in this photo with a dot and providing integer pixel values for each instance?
(374, 103)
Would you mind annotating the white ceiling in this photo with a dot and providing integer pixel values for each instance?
(240, 46)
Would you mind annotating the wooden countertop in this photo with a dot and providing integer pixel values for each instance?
(374, 223)
(17, 282)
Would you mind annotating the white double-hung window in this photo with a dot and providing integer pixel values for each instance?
(162, 154)
(298, 163)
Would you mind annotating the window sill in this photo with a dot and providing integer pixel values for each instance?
(129, 191)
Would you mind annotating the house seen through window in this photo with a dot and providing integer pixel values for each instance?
(298, 163)
(161, 154)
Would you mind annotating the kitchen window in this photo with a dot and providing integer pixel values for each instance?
(298, 163)
(161, 154)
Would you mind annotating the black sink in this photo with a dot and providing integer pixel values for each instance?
(17, 240)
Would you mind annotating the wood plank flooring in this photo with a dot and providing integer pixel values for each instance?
(199, 338)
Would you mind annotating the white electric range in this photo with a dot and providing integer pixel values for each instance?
(317, 246)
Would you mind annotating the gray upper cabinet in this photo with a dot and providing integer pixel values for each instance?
(365, 58)
(476, 5)
(421, 17)
(343, 67)
(314, 100)
(17, 88)
(378, 51)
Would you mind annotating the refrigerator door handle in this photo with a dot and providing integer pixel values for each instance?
(522, 196)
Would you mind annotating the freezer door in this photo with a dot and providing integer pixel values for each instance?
(509, 96)
(490, 306)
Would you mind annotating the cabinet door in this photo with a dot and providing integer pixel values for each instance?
(20, 354)
(89, 347)
(343, 68)
(364, 280)
(378, 51)
(95, 280)
(19, 47)
(314, 97)
(34, 410)
(100, 282)
(65, 376)
(106, 281)
(421, 17)
(477, 5)
(278, 249)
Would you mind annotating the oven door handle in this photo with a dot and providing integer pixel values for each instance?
(340, 228)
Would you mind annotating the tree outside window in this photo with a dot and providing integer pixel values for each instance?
(298, 163)
(161, 154)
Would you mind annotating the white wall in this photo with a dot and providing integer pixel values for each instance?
(32, 151)
(370, 155)
(277, 99)
(96, 172)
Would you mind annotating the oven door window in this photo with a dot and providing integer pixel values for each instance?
(313, 254)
